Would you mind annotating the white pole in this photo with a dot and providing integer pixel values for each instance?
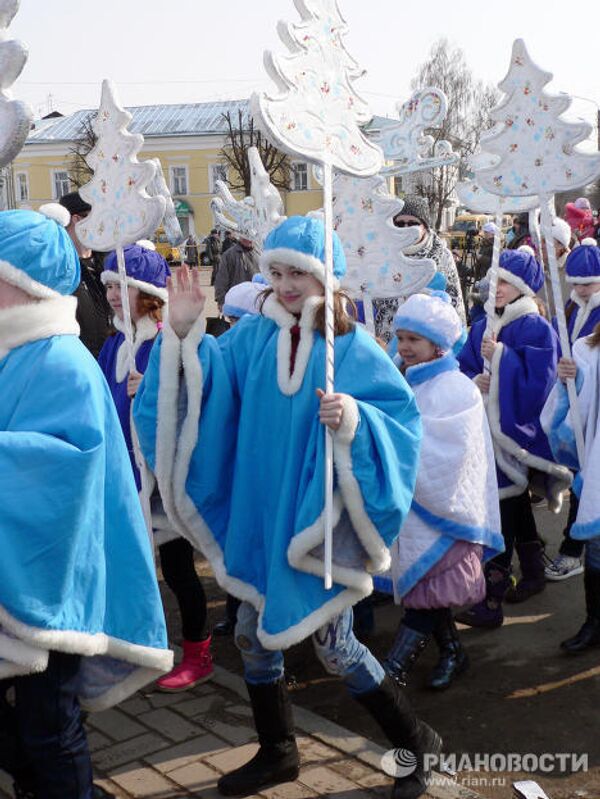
(493, 273)
(369, 316)
(534, 230)
(562, 324)
(126, 308)
(329, 368)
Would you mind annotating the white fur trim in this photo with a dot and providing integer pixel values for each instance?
(512, 459)
(299, 260)
(20, 279)
(526, 248)
(273, 309)
(145, 329)
(108, 276)
(34, 321)
(57, 212)
(350, 420)
(583, 280)
(588, 242)
(517, 282)
(86, 644)
(583, 314)
(512, 311)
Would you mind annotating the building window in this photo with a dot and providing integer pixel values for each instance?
(61, 184)
(22, 187)
(179, 180)
(398, 186)
(217, 172)
(299, 177)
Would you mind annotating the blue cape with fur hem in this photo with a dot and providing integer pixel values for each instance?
(240, 465)
(76, 569)
(522, 372)
(456, 495)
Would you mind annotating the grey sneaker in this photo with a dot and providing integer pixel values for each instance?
(563, 567)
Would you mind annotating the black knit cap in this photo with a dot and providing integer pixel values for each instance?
(74, 203)
(415, 205)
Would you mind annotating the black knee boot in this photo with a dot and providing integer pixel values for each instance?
(404, 653)
(277, 759)
(392, 710)
(589, 634)
(453, 658)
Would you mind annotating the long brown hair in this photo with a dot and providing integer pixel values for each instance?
(146, 305)
(344, 322)
(593, 339)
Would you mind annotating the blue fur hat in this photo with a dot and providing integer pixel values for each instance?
(36, 252)
(521, 270)
(431, 316)
(583, 264)
(299, 241)
(146, 270)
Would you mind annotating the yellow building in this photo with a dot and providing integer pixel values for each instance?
(187, 139)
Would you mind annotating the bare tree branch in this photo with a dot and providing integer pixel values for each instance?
(79, 170)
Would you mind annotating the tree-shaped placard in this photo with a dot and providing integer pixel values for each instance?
(404, 140)
(363, 214)
(317, 115)
(158, 188)
(537, 154)
(122, 210)
(15, 116)
(255, 216)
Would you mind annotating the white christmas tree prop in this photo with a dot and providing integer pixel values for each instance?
(316, 116)
(537, 154)
(404, 140)
(122, 210)
(479, 200)
(255, 216)
(158, 188)
(363, 214)
(15, 116)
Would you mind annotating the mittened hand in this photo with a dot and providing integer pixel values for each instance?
(331, 409)
(482, 382)
(567, 369)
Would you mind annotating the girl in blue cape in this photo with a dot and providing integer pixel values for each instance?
(584, 368)
(454, 520)
(582, 311)
(81, 620)
(238, 449)
(147, 273)
(522, 357)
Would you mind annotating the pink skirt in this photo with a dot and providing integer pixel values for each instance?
(455, 580)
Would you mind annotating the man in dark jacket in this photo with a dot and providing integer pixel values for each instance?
(93, 310)
(237, 265)
(228, 241)
(212, 253)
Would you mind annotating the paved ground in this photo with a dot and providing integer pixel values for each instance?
(162, 746)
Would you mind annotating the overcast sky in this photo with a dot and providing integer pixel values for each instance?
(195, 50)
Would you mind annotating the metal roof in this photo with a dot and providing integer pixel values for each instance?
(184, 119)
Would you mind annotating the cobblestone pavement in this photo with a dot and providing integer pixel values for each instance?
(163, 746)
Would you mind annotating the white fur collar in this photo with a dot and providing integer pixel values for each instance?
(37, 320)
(583, 313)
(514, 310)
(145, 329)
(273, 309)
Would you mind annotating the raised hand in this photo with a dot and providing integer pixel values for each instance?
(186, 300)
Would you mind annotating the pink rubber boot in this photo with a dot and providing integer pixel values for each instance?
(196, 667)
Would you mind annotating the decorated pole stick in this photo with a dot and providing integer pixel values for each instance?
(537, 154)
(316, 115)
(122, 211)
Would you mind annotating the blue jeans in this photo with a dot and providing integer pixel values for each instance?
(50, 756)
(335, 644)
(592, 554)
